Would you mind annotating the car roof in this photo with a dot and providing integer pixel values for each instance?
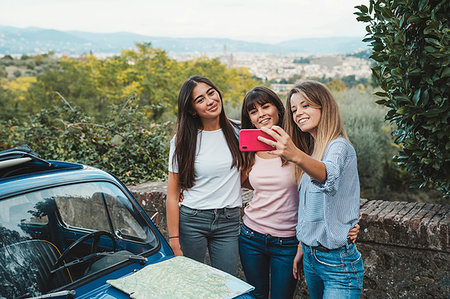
(24, 171)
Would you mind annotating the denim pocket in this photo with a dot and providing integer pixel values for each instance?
(358, 268)
(314, 206)
(354, 258)
(331, 259)
(185, 211)
(341, 266)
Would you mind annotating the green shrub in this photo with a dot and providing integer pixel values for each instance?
(364, 123)
(410, 42)
(127, 144)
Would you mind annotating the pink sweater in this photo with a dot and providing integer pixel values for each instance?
(274, 207)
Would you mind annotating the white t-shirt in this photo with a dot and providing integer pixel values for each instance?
(217, 185)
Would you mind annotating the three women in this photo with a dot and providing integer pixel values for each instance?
(205, 162)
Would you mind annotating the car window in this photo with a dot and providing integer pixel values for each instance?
(80, 206)
(88, 206)
(83, 206)
(20, 210)
(125, 225)
(18, 217)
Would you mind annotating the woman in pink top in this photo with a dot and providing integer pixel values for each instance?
(267, 242)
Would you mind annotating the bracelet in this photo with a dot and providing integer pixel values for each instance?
(174, 237)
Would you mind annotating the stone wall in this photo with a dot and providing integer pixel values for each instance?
(405, 246)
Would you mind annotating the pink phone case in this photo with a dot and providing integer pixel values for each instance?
(248, 141)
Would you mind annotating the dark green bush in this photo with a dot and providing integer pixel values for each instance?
(410, 43)
(127, 144)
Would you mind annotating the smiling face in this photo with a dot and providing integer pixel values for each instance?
(307, 118)
(261, 108)
(206, 102)
(265, 115)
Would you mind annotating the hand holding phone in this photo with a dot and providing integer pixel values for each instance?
(248, 141)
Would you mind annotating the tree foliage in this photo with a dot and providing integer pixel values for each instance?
(410, 43)
(114, 113)
(95, 84)
(127, 144)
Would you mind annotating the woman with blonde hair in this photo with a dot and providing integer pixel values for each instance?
(316, 142)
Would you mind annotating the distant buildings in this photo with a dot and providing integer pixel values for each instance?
(281, 88)
(280, 68)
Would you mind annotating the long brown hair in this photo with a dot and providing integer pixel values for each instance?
(259, 95)
(330, 125)
(188, 126)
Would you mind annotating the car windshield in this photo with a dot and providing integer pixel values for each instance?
(37, 227)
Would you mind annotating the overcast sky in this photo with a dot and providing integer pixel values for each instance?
(250, 20)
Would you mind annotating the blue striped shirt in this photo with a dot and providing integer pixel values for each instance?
(328, 211)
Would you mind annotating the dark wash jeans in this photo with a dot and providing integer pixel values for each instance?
(335, 274)
(268, 260)
(215, 229)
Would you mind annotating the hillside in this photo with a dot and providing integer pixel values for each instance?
(38, 40)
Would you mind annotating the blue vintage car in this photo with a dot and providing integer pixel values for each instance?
(66, 228)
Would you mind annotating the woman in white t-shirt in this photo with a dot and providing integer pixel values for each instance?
(267, 241)
(204, 165)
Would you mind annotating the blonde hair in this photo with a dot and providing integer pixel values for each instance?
(330, 125)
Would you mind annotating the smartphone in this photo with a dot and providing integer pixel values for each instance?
(248, 141)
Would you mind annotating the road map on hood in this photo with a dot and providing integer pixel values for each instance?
(181, 277)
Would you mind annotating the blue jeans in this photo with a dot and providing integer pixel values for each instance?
(217, 230)
(265, 258)
(335, 274)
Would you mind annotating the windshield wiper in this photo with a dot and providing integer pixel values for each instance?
(136, 258)
(67, 294)
(130, 257)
